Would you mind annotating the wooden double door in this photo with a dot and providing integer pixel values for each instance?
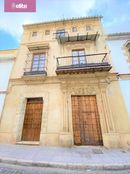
(32, 120)
(86, 122)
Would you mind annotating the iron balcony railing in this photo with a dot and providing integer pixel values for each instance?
(61, 34)
(64, 37)
(97, 61)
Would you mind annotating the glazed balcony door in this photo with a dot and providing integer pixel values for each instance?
(78, 57)
(38, 63)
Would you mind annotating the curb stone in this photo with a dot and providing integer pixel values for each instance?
(72, 166)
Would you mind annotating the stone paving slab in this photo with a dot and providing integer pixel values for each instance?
(69, 158)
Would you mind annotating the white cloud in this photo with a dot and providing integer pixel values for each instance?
(12, 22)
(56, 9)
(82, 7)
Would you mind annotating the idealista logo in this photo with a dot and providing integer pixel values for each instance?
(20, 5)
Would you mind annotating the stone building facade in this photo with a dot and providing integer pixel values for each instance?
(64, 90)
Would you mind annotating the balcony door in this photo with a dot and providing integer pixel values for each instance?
(78, 57)
(38, 63)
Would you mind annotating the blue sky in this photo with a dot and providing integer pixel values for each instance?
(116, 16)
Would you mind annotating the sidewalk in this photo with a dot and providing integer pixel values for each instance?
(68, 158)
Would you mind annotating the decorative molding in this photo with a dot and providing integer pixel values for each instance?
(118, 36)
(61, 21)
(126, 48)
(3, 92)
(124, 76)
(89, 90)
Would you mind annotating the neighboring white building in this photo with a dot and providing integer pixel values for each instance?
(7, 58)
(119, 44)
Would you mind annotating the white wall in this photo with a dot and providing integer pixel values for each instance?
(125, 87)
(118, 57)
(5, 70)
(2, 98)
(121, 66)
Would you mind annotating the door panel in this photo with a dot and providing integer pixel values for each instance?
(86, 122)
(32, 120)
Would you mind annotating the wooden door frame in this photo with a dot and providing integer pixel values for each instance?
(96, 121)
(86, 86)
(25, 116)
(98, 99)
(33, 100)
(18, 127)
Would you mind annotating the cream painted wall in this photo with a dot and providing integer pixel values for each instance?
(5, 70)
(121, 66)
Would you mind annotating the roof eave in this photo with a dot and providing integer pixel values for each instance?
(62, 20)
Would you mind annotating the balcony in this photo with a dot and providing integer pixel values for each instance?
(83, 64)
(35, 65)
(64, 37)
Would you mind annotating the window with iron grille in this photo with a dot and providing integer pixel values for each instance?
(38, 63)
(78, 56)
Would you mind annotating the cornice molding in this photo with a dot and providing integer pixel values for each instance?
(119, 36)
(61, 21)
(124, 76)
(3, 92)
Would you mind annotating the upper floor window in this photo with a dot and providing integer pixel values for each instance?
(34, 34)
(74, 29)
(38, 63)
(78, 56)
(47, 32)
(60, 32)
(88, 28)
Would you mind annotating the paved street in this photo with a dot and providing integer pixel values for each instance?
(85, 156)
(77, 158)
(12, 169)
